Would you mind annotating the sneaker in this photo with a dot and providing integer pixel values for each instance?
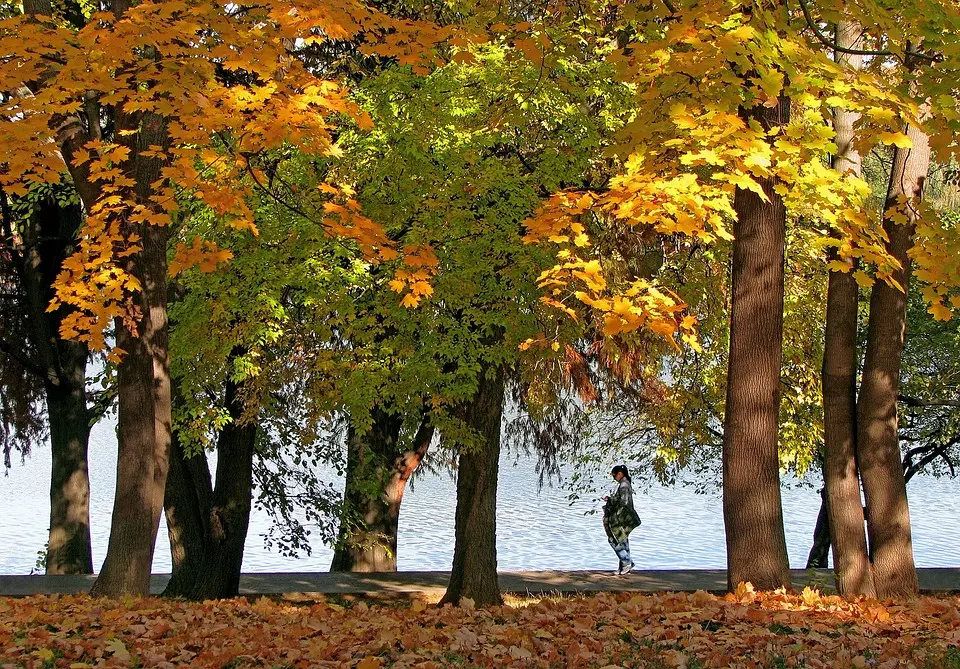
(616, 573)
(626, 570)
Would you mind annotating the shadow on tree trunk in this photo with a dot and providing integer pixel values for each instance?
(378, 468)
(474, 572)
(207, 525)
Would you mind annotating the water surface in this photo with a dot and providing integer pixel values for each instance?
(536, 528)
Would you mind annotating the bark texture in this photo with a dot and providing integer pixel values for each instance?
(878, 448)
(207, 525)
(377, 473)
(474, 572)
(143, 377)
(187, 502)
(839, 384)
(752, 513)
(68, 545)
(64, 363)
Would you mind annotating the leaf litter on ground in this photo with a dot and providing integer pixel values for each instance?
(694, 630)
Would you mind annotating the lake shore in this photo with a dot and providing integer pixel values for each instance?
(932, 580)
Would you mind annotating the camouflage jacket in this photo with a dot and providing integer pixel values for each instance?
(619, 516)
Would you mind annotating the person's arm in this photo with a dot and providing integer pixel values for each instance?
(623, 493)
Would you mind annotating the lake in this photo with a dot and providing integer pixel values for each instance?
(537, 528)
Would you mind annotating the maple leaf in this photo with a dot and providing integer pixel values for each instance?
(898, 139)
(863, 279)
(940, 311)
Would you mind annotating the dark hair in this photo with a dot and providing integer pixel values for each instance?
(621, 469)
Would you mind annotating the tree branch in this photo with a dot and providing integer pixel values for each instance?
(28, 364)
(826, 41)
(933, 452)
(917, 402)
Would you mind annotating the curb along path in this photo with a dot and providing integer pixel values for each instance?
(519, 582)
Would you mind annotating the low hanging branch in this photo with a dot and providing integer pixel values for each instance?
(930, 453)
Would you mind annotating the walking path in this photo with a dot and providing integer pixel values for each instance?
(429, 582)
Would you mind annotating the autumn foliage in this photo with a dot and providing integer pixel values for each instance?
(199, 89)
(743, 629)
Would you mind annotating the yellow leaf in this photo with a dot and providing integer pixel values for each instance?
(810, 596)
(839, 266)
(863, 279)
(612, 325)
(370, 662)
(898, 139)
(745, 592)
(940, 311)
(744, 182)
(119, 650)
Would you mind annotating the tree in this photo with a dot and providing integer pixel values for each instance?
(156, 112)
(208, 524)
(752, 514)
(888, 515)
(40, 368)
(844, 517)
(379, 464)
(456, 135)
(474, 572)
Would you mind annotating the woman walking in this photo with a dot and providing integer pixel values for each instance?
(620, 518)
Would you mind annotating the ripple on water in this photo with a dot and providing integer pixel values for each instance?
(536, 529)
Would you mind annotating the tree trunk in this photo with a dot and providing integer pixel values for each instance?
(208, 528)
(144, 419)
(68, 546)
(878, 448)
(851, 564)
(187, 501)
(752, 512)
(474, 572)
(51, 235)
(377, 475)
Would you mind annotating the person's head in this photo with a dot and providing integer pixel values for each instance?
(620, 472)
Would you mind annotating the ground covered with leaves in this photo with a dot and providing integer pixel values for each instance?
(745, 629)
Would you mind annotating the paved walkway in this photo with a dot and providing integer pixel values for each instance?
(522, 582)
